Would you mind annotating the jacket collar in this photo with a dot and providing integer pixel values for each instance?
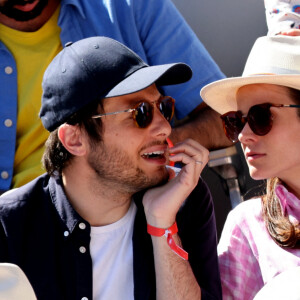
(64, 208)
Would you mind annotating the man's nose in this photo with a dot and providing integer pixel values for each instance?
(159, 124)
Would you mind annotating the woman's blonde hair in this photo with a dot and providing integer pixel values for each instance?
(280, 228)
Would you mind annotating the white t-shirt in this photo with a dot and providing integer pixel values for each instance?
(112, 257)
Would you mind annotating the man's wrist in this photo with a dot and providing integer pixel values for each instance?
(159, 222)
(168, 233)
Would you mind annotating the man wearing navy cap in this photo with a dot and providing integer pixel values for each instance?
(111, 220)
(34, 31)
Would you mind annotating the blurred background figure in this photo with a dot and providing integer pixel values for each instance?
(283, 17)
(14, 284)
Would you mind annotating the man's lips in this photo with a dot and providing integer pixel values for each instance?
(26, 7)
(155, 153)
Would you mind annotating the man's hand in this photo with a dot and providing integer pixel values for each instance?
(162, 203)
(175, 279)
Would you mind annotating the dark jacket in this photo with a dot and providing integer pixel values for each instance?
(40, 232)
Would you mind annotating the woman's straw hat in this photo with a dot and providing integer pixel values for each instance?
(272, 60)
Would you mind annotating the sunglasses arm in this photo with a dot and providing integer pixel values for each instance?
(113, 113)
(288, 105)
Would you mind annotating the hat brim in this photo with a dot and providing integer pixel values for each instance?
(167, 74)
(14, 284)
(221, 95)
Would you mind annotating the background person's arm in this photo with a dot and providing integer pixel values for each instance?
(203, 125)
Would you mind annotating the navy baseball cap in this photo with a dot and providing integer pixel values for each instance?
(95, 68)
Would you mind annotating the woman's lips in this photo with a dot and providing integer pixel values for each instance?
(253, 156)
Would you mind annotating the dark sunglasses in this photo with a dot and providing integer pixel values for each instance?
(142, 113)
(259, 119)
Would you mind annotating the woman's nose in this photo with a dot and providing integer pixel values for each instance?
(247, 135)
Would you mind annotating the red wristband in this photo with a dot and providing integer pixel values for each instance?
(168, 234)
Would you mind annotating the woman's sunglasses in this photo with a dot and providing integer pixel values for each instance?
(142, 113)
(259, 118)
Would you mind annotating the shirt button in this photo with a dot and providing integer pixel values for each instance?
(8, 70)
(66, 233)
(8, 122)
(82, 226)
(4, 175)
(82, 249)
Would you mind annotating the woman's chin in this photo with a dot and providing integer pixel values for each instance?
(257, 174)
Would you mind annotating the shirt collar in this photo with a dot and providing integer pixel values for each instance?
(290, 204)
(64, 208)
(77, 4)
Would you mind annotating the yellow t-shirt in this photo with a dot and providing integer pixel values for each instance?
(33, 51)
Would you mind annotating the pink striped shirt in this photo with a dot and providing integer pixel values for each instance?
(248, 256)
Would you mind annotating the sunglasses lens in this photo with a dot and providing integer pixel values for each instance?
(144, 114)
(260, 119)
(232, 124)
(166, 107)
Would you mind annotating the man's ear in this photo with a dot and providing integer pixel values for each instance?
(73, 139)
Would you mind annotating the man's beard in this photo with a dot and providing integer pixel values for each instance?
(8, 10)
(117, 168)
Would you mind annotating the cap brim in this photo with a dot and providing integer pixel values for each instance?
(221, 95)
(167, 74)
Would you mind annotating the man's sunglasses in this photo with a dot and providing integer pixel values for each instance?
(259, 119)
(142, 113)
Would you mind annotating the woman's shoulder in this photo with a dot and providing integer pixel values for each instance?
(248, 212)
(244, 223)
(252, 206)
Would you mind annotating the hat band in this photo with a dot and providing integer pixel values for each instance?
(270, 70)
